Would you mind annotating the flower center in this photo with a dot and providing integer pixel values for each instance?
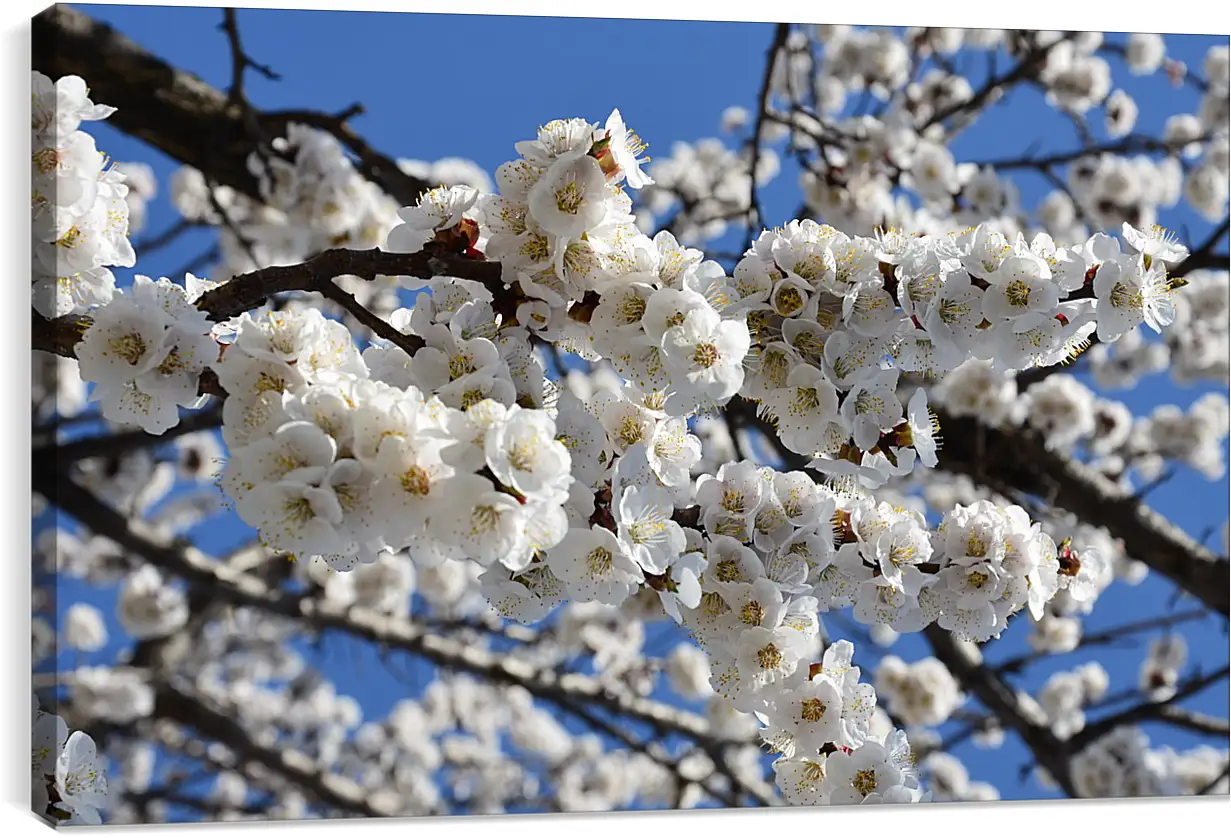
(130, 347)
(806, 399)
(171, 364)
(460, 365)
(47, 160)
(733, 500)
(706, 355)
(298, 510)
(416, 481)
(769, 656)
(1123, 296)
(789, 300)
(569, 198)
(752, 613)
(952, 310)
(484, 519)
(471, 397)
(599, 561)
(266, 382)
(632, 309)
(812, 710)
(521, 456)
(629, 432)
(976, 547)
(70, 238)
(1017, 293)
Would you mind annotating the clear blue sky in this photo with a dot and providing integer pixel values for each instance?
(470, 86)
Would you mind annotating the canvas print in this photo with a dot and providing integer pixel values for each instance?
(431, 419)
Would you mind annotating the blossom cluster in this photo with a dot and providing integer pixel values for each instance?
(145, 351)
(1122, 764)
(836, 319)
(920, 693)
(459, 462)
(67, 784)
(1065, 694)
(948, 779)
(1069, 415)
(819, 723)
(79, 214)
(329, 460)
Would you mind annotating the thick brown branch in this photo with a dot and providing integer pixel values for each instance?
(59, 336)
(173, 110)
(247, 291)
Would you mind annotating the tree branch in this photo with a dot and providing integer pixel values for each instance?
(966, 663)
(247, 291)
(333, 790)
(1148, 710)
(171, 109)
(53, 455)
(756, 217)
(1027, 67)
(1104, 638)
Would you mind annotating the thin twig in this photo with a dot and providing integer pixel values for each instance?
(409, 344)
(756, 216)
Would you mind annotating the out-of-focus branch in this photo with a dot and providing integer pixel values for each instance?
(1217, 781)
(1029, 65)
(156, 242)
(1194, 721)
(116, 444)
(333, 790)
(1105, 638)
(1204, 256)
(1131, 144)
(964, 660)
(1156, 710)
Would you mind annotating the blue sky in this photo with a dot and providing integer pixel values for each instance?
(470, 86)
